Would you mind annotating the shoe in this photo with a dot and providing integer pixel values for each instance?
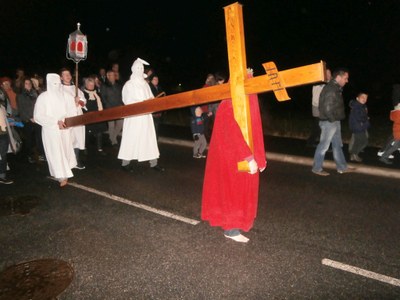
(101, 152)
(31, 160)
(320, 173)
(158, 168)
(380, 153)
(348, 170)
(63, 182)
(202, 156)
(6, 181)
(238, 238)
(385, 161)
(197, 156)
(127, 168)
(80, 166)
(42, 158)
(355, 157)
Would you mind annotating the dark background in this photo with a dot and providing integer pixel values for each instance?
(183, 41)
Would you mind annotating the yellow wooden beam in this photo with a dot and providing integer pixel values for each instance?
(293, 77)
(237, 69)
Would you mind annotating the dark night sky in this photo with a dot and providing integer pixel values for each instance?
(184, 43)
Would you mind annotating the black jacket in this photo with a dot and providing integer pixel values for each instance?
(111, 94)
(331, 105)
(26, 102)
(358, 119)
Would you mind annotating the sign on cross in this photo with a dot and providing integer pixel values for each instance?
(238, 88)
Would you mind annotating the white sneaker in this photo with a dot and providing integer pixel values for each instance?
(238, 238)
(381, 152)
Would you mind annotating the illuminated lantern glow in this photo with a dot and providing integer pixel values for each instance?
(77, 45)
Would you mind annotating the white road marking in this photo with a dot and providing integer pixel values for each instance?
(362, 272)
(135, 204)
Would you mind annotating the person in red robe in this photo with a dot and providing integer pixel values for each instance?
(230, 197)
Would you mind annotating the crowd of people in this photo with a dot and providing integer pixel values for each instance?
(44, 106)
(41, 105)
(328, 111)
(229, 198)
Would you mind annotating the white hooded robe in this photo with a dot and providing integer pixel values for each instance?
(78, 132)
(139, 141)
(49, 109)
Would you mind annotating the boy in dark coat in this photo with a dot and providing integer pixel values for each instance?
(197, 126)
(359, 124)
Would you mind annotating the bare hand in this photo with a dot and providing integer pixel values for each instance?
(61, 124)
(253, 166)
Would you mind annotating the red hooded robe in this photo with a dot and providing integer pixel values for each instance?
(230, 197)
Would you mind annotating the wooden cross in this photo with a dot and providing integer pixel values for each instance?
(238, 88)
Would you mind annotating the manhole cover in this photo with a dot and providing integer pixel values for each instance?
(42, 279)
(17, 205)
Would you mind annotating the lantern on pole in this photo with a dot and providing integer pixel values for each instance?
(77, 50)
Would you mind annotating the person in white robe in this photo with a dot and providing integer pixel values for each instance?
(50, 112)
(139, 141)
(74, 108)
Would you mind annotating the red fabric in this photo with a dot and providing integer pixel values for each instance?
(12, 96)
(230, 197)
(395, 117)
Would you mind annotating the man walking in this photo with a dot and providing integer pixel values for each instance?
(331, 112)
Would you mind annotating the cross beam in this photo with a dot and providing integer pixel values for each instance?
(289, 78)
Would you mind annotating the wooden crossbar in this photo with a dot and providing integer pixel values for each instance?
(292, 77)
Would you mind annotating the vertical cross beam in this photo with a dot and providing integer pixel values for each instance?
(238, 69)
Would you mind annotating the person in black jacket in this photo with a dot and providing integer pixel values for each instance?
(111, 93)
(94, 103)
(331, 112)
(359, 124)
(32, 132)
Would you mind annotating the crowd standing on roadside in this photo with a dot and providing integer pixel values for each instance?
(103, 90)
(41, 106)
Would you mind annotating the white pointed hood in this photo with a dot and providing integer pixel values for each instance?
(54, 84)
(137, 89)
(138, 69)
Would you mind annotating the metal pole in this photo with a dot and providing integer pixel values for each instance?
(76, 79)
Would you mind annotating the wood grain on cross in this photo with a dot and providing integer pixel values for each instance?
(238, 88)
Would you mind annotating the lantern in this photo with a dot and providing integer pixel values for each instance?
(77, 45)
(77, 51)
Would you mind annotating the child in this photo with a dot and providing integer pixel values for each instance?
(198, 128)
(359, 124)
(394, 144)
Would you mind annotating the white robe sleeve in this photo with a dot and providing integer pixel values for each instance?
(41, 113)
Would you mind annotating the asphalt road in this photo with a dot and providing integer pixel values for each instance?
(139, 235)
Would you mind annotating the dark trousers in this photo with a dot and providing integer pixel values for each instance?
(157, 121)
(32, 138)
(3, 154)
(96, 136)
(390, 147)
(389, 140)
(358, 142)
